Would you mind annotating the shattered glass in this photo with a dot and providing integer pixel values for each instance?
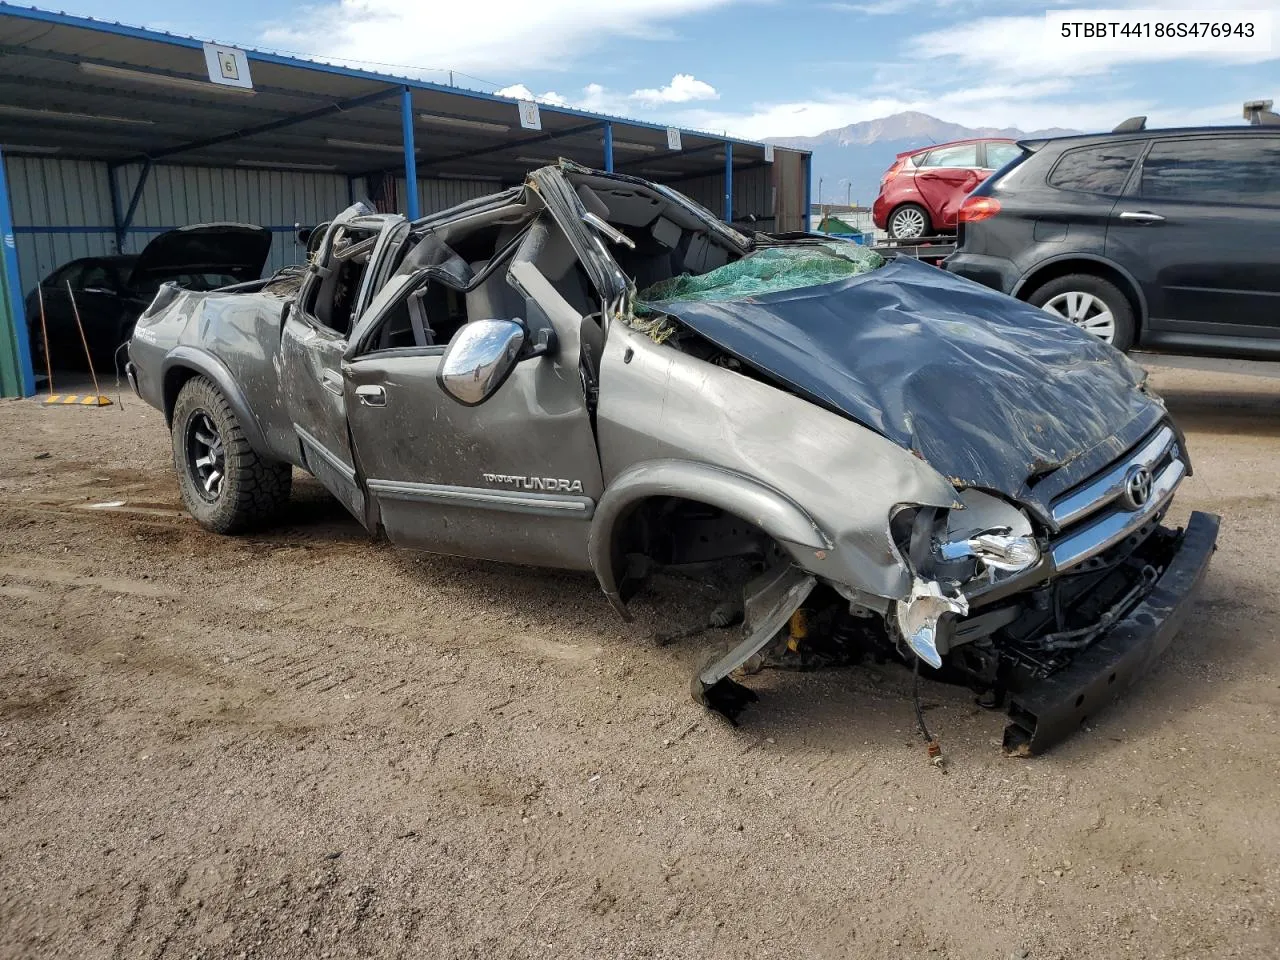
(770, 270)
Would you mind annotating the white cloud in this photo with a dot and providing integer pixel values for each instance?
(1023, 77)
(597, 98)
(682, 88)
(497, 36)
(518, 91)
(878, 8)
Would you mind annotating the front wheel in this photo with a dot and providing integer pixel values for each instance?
(225, 484)
(1091, 303)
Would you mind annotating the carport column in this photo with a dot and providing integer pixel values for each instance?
(117, 214)
(410, 155)
(728, 182)
(808, 190)
(16, 375)
(608, 147)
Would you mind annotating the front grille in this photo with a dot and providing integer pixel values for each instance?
(1099, 513)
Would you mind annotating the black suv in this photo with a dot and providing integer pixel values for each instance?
(1168, 239)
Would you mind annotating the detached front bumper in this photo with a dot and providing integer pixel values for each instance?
(1051, 709)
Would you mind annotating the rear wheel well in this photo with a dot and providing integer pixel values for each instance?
(1063, 268)
(175, 378)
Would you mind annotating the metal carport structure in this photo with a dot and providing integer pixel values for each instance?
(112, 133)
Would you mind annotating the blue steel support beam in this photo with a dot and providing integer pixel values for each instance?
(13, 285)
(117, 218)
(274, 125)
(513, 145)
(410, 155)
(509, 146)
(123, 227)
(672, 155)
(728, 182)
(608, 148)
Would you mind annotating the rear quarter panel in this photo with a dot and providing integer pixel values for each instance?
(240, 331)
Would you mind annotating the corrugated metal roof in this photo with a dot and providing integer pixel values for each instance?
(79, 87)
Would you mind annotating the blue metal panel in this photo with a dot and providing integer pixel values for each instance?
(608, 148)
(17, 339)
(410, 154)
(728, 182)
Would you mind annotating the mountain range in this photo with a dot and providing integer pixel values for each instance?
(860, 153)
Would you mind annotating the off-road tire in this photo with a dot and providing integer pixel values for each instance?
(926, 222)
(251, 489)
(1113, 297)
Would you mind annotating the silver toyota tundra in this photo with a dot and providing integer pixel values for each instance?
(590, 371)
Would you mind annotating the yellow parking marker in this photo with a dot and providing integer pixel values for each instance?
(88, 400)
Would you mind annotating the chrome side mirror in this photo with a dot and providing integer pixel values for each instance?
(479, 359)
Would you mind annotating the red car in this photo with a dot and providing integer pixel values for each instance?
(921, 192)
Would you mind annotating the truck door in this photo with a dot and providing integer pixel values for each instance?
(313, 340)
(514, 478)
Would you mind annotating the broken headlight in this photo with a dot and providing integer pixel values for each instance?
(995, 549)
(946, 549)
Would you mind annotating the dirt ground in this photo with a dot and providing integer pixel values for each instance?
(303, 744)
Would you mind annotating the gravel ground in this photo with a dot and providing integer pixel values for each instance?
(303, 744)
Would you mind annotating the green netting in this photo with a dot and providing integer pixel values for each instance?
(770, 270)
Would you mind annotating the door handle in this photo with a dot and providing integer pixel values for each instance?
(1141, 216)
(371, 395)
(331, 382)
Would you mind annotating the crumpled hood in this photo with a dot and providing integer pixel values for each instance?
(991, 392)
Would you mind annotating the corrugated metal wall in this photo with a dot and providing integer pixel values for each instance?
(62, 208)
(277, 199)
(752, 194)
(435, 195)
(56, 205)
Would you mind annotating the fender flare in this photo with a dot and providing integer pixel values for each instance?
(1020, 287)
(206, 364)
(772, 511)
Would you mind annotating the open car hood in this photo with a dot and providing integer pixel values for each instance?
(991, 392)
(236, 249)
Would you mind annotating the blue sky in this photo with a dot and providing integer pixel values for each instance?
(753, 68)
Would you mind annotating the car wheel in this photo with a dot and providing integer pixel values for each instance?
(1091, 303)
(225, 484)
(909, 222)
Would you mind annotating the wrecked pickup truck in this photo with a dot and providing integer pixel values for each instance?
(590, 371)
